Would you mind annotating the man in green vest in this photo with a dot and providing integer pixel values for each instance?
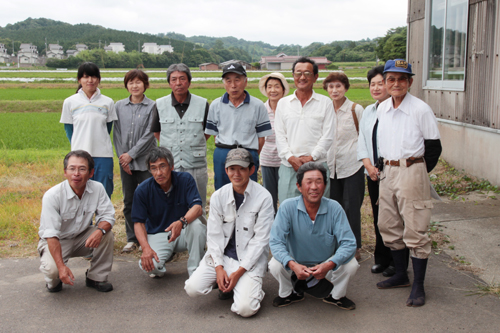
(179, 125)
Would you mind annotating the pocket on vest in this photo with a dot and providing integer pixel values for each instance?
(199, 151)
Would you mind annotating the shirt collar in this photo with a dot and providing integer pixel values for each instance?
(94, 96)
(302, 206)
(344, 107)
(225, 98)
(186, 101)
(70, 194)
(404, 106)
(144, 101)
(313, 96)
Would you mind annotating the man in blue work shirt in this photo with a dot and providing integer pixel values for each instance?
(312, 237)
(165, 212)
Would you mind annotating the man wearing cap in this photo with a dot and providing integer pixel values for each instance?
(409, 142)
(166, 210)
(237, 120)
(179, 125)
(312, 240)
(241, 215)
(304, 127)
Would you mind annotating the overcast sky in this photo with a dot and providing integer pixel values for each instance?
(274, 22)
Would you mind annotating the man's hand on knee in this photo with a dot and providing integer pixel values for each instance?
(222, 279)
(320, 271)
(94, 239)
(301, 271)
(147, 259)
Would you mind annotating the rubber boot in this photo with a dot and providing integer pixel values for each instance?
(400, 279)
(417, 295)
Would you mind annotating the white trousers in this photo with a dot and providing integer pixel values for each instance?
(248, 291)
(340, 278)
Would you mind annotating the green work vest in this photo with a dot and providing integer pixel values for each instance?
(184, 137)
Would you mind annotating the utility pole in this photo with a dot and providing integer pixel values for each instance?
(45, 46)
(138, 46)
(99, 43)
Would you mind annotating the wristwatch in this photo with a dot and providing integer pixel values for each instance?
(184, 222)
(102, 230)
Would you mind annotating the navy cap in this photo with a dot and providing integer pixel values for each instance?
(234, 68)
(398, 66)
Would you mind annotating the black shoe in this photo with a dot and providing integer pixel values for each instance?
(284, 301)
(389, 271)
(225, 296)
(377, 269)
(99, 286)
(56, 289)
(343, 303)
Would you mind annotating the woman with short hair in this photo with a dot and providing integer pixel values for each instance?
(133, 140)
(88, 119)
(274, 86)
(347, 183)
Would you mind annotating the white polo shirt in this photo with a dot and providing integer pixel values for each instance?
(402, 131)
(89, 118)
(304, 130)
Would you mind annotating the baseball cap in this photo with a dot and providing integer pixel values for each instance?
(234, 68)
(239, 156)
(398, 66)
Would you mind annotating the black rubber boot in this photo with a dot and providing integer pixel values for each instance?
(400, 279)
(417, 295)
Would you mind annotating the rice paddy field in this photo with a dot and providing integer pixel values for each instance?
(33, 143)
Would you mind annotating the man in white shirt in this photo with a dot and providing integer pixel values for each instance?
(66, 229)
(238, 228)
(409, 142)
(304, 127)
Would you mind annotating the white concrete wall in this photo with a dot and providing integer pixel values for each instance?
(472, 148)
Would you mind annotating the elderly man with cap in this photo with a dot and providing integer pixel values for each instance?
(238, 227)
(237, 120)
(304, 126)
(179, 125)
(312, 240)
(409, 142)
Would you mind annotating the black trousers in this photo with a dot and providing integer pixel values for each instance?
(349, 193)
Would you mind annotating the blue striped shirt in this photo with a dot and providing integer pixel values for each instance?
(242, 125)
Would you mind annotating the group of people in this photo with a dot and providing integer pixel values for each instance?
(312, 152)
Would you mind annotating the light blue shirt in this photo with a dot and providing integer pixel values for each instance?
(295, 237)
(365, 145)
(242, 125)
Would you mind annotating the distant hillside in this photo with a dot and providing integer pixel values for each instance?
(36, 30)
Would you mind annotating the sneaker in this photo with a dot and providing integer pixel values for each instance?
(156, 276)
(284, 301)
(55, 289)
(99, 286)
(225, 296)
(131, 246)
(343, 303)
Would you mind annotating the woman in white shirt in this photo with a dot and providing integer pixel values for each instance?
(88, 119)
(347, 183)
(274, 87)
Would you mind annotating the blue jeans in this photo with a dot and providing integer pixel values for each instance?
(220, 176)
(103, 173)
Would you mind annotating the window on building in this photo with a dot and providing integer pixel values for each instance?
(446, 43)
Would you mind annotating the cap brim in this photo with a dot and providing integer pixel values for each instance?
(397, 70)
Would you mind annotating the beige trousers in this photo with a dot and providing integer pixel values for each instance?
(405, 208)
(100, 264)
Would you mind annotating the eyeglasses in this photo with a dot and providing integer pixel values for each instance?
(74, 170)
(161, 168)
(299, 74)
(402, 79)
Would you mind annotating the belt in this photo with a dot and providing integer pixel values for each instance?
(223, 146)
(409, 161)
